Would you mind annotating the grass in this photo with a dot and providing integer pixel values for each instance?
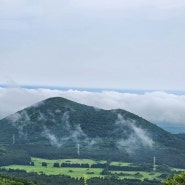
(137, 175)
(50, 170)
(120, 164)
(79, 172)
(73, 172)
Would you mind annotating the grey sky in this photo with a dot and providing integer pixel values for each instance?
(125, 44)
(136, 44)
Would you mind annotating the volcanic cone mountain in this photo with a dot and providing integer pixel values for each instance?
(60, 128)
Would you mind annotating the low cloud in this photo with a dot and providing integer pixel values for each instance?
(75, 134)
(52, 138)
(136, 139)
(153, 106)
(15, 120)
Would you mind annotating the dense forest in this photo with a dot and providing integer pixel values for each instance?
(67, 180)
(4, 180)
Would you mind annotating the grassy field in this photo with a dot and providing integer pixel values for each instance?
(73, 172)
(79, 172)
(50, 170)
(138, 175)
(120, 164)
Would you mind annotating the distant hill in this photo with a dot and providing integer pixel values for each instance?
(172, 128)
(57, 127)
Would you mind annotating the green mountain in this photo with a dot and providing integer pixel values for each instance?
(58, 127)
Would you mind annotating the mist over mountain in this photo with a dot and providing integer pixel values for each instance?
(57, 127)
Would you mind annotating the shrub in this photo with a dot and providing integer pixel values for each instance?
(56, 165)
(32, 163)
(176, 180)
(44, 164)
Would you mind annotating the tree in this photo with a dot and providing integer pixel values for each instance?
(32, 163)
(56, 165)
(44, 164)
(176, 180)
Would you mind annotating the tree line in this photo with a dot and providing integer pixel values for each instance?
(67, 180)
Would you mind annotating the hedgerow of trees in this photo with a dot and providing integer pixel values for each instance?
(67, 180)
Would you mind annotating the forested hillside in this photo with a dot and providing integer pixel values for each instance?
(57, 127)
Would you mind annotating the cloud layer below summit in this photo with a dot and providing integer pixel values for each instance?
(153, 106)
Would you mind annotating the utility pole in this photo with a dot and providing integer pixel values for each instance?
(78, 149)
(13, 139)
(154, 164)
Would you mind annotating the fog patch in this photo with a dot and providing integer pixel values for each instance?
(96, 109)
(74, 134)
(77, 133)
(51, 114)
(51, 137)
(41, 117)
(14, 117)
(19, 121)
(58, 111)
(38, 104)
(135, 139)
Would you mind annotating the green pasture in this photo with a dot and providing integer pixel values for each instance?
(50, 170)
(73, 172)
(79, 172)
(120, 164)
(137, 175)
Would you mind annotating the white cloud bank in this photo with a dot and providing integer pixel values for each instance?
(153, 106)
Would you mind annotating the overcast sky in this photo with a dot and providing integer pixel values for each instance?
(137, 44)
(123, 44)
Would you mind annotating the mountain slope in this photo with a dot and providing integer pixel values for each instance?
(58, 127)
